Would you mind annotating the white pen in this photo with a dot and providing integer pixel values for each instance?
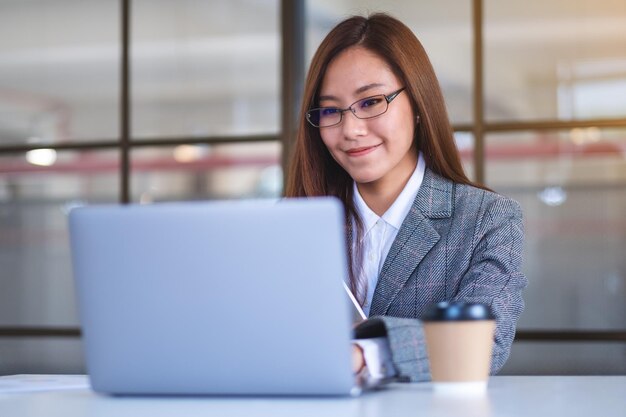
(354, 301)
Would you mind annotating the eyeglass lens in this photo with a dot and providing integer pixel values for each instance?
(363, 109)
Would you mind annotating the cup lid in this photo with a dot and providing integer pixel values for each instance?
(457, 311)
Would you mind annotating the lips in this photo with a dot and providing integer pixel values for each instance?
(363, 150)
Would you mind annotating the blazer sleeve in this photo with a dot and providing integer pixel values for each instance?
(493, 277)
(406, 342)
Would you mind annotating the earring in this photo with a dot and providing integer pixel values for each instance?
(417, 119)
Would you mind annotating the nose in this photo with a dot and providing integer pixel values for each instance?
(353, 127)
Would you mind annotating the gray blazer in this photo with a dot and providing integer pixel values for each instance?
(457, 243)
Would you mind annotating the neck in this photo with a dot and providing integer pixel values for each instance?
(380, 195)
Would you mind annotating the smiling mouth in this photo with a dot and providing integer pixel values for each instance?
(362, 150)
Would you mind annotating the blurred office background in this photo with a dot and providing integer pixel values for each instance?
(204, 107)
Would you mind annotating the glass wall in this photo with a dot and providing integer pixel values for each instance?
(199, 71)
(37, 190)
(547, 63)
(573, 194)
(556, 60)
(205, 68)
(59, 71)
(205, 119)
(190, 172)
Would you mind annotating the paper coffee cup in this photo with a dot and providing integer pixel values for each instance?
(459, 341)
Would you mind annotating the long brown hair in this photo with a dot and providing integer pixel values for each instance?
(313, 171)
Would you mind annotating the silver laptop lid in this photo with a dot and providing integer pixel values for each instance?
(214, 298)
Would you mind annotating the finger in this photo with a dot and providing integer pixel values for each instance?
(358, 361)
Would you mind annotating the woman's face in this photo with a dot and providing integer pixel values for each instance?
(377, 151)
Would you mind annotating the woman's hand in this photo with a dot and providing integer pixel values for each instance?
(358, 361)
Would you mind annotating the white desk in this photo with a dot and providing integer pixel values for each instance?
(603, 396)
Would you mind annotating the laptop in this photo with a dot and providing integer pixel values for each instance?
(214, 298)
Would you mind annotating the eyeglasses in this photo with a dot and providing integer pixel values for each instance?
(366, 108)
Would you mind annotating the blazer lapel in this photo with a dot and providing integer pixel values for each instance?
(415, 239)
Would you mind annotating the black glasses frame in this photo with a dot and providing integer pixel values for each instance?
(388, 98)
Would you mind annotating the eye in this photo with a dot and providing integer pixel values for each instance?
(328, 111)
(370, 102)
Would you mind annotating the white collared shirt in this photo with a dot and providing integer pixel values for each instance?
(381, 231)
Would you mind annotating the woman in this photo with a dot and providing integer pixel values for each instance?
(374, 132)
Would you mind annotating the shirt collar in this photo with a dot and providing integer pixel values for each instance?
(368, 217)
(395, 215)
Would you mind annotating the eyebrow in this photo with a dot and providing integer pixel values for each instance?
(357, 91)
